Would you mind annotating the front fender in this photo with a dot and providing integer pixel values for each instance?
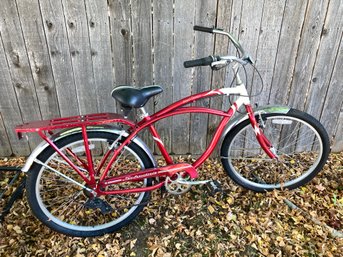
(67, 132)
(244, 116)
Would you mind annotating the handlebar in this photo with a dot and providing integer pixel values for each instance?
(200, 62)
(221, 32)
(211, 59)
(203, 29)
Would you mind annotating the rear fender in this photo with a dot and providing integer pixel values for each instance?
(260, 110)
(67, 132)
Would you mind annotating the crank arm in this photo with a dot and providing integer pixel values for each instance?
(199, 182)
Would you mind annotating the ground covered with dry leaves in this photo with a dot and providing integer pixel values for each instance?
(234, 223)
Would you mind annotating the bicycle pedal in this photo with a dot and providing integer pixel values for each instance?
(214, 187)
(97, 203)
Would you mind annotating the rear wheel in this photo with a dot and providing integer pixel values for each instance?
(301, 144)
(66, 207)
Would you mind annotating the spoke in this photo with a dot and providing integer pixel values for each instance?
(53, 182)
(65, 163)
(288, 154)
(245, 149)
(82, 206)
(71, 210)
(254, 142)
(75, 195)
(293, 133)
(54, 189)
(247, 158)
(57, 200)
(296, 141)
(62, 175)
(272, 135)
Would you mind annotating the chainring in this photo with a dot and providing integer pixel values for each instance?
(173, 186)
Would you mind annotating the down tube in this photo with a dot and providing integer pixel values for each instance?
(214, 140)
(226, 117)
(183, 110)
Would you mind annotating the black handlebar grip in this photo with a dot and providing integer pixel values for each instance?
(199, 62)
(203, 29)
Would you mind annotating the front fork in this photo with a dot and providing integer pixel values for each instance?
(261, 138)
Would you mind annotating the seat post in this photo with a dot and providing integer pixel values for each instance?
(143, 113)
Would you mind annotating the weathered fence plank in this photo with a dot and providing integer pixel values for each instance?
(224, 17)
(58, 44)
(205, 16)
(330, 114)
(267, 49)
(163, 65)
(293, 19)
(183, 40)
(249, 28)
(121, 40)
(338, 140)
(142, 45)
(36, 47)
(323, 67)
(5, 145)
(18, 63)
(327, 56)
(120, 27)
(307, 50)
(77, 29)
(100, 42)
(235, 30)
(9, 108)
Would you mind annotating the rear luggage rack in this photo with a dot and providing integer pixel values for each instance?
(72, 122)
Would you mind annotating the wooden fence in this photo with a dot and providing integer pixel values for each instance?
(63, 57)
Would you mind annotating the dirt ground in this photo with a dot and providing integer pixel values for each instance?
(236, 222)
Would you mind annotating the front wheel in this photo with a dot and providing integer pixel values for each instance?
(64, 206)
(300, 141)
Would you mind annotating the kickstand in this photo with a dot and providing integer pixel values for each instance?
(162, 191)
(18, 193)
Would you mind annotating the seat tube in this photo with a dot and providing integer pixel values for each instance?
(160, 144)
(156, 137)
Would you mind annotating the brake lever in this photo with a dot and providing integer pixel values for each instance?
(217, 65)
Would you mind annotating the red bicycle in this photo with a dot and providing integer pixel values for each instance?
(89, 177)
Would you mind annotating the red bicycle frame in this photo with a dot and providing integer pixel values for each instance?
(176, 108)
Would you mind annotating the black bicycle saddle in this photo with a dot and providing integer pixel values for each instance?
(130, 96)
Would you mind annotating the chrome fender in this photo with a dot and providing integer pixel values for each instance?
(260, 110)
(67, 132)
